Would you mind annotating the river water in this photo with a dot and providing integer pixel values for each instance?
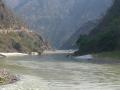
(58, 72)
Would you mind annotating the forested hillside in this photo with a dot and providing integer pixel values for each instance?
(106, 36)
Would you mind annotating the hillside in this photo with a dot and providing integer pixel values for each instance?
(14, 34)
(84, 30)
(56, 18)
(106, 36)
(7, 18)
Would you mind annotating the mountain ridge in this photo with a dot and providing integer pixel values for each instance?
(15, 35)
(105, 36)
(56, 18)
(84, 30)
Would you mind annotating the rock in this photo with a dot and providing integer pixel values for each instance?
(6, 77)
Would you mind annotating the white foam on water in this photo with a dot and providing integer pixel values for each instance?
(35, 83)
(27, 83)
(84, 57)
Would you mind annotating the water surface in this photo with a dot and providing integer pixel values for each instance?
(58, 72)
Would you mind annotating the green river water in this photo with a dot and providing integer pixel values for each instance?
(58, 72)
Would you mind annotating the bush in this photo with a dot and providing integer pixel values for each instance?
(16, 45)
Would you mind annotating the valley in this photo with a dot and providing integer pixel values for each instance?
(59, 44)
(58, 20)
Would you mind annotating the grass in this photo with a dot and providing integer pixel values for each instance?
(112, 54)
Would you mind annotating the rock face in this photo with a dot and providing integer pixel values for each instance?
(57, 20)
(14, 34)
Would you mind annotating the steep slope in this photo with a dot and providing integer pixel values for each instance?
(106, 36)
(56, 18)
(21, 42)
(84, 30)
(15, 36)
(7, 18)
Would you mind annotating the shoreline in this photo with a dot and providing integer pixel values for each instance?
(4, 54)
(112, 57)
(7, 78)
(52, 52)
(85, 57)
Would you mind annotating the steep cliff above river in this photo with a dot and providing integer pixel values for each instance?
(14, 34)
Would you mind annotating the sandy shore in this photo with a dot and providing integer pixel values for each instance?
(12, 54)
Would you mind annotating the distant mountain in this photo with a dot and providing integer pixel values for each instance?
(105, 36)
(57, 20)
(84, 30)
(15, 36)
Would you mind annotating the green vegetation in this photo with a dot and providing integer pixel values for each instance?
(114, 54)
(106, 36)
(21, 42)
(17, 41)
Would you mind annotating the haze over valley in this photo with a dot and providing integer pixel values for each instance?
(57, 20)
(59, 44)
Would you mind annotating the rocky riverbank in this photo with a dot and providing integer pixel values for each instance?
(6, 77)
(2, 54)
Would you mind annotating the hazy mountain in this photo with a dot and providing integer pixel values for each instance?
(57, 20)
(84, 30)
(105, 37)
(12, 40)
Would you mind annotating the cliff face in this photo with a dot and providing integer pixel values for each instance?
(7, 18)
(15, 36)
(106, 35)
(57, 20)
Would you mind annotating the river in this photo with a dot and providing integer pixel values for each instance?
(58, 72)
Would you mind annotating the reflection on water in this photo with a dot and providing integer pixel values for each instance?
(57, 72)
